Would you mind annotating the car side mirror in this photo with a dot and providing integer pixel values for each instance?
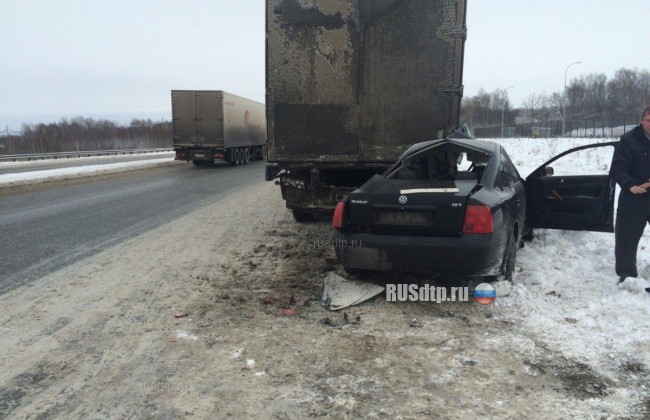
(548, 171)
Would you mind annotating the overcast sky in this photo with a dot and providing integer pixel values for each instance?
(119, 59)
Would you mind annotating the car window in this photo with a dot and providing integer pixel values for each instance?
(452, 163)
(506, 178)
(413, 169)
(591, 161)
(509, 167)
(501, 180)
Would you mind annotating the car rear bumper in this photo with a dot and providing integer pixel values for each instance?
(467, 255)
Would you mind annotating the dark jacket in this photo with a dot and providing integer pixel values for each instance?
(631, 161)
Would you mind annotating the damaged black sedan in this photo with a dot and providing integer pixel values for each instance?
(458, 206)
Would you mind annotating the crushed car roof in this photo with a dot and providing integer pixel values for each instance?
(481, 145)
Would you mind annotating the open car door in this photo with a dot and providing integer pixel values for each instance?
(576, 193)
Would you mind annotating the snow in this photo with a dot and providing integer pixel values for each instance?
(13, 179)
(529, 153)
(85, 159)
(184, 335)
(566, 290)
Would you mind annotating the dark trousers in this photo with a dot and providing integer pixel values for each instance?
(632, 215)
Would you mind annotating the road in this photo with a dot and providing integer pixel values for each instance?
(46, 230)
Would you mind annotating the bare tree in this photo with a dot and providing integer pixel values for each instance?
(88, 134)
(531, 107)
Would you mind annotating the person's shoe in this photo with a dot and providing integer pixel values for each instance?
(621, 279)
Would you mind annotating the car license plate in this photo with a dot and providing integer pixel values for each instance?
(199, 155)
(403, 217)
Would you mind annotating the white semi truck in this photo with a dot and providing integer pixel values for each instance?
(213, 125)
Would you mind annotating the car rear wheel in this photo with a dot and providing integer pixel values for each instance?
(528, 234)
(509, 271)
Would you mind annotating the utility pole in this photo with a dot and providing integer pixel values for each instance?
(564, 99)
(503, 110)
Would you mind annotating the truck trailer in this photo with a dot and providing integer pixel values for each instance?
(213, 125)
(351, 85)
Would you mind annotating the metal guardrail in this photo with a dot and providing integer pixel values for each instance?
(68, 155)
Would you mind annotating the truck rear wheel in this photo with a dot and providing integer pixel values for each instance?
(246, 155)
(237, 157)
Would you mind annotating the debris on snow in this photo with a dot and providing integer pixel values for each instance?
(184, 335)
(339, 293)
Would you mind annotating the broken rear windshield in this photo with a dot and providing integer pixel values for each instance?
(443, 163)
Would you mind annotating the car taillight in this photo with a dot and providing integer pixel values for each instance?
(179, 155)
(478, 219)
(337, 221)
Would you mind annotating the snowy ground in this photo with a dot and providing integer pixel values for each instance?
(566, 286)
(89, 160)
(94, 167)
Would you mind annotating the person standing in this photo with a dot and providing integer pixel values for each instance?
(631, 170)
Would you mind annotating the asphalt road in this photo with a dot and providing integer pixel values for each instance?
(42, 231)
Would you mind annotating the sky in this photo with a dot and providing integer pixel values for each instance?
(120, 59)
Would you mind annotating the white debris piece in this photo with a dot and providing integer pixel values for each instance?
(184, 335)
(339, 293)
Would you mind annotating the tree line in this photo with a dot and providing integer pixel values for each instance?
(589, 98)
(84, 134)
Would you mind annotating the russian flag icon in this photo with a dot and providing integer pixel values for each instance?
(484, 293)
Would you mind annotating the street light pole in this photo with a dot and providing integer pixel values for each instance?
(564, 99)
(503, 110)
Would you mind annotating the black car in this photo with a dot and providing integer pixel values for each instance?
(458, 206)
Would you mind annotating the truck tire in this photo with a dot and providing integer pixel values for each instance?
(237, 156)
(246, 155)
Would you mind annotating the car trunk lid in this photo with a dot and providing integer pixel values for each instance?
(408, 207)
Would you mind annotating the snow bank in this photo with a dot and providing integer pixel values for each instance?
(566, 287)
(14, 179)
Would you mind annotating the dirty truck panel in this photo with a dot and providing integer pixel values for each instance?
(351, 84)
(361, 80)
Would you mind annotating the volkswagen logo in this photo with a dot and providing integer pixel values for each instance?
(403, 199)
